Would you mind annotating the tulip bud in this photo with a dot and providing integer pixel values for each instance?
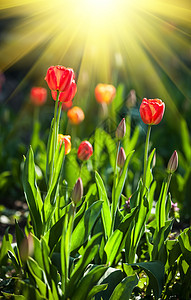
(121, 158)
(26, 248)
(121, 129)
(77, 191)
(173, 163)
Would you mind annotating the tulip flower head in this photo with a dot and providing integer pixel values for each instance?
(173, 163)
(121, 129)
(151, 111)
(60, 78)
(38, 96)
(75, 115)
(105, 93)
(85, 150)
(121, 158)
(67, 142)
(77, 192)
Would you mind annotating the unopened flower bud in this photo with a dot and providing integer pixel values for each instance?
(77, 191)
(121, 158)
(26, 248)
(173, 163)
(121, 129)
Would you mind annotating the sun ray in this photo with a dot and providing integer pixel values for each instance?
(137, 39)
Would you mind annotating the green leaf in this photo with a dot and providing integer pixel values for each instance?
(159, 240)
(49, 151)
(86, 257)
(14, 260)
(49, 202)
(112, 277)
(32, 193)
(88, 282)
(54, 234)
(149, 176)
(98, 146)
(185, 244)
(155, 271)
(124, 289)
(117, 240)
(84, 227)
(105, 212)
(38, 255)
(19, 234)
(96, 289)
(65, 246)
(5, 246)
(161, 205)
(133, 141)
(119, 188)
(37, 273)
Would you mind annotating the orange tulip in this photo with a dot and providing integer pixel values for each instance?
(67, 141)
(105, 93)
(151, 111)
(38, 95)
(75, 115)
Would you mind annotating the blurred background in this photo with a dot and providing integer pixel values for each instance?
(142, 47)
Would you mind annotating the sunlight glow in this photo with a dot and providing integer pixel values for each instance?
(98, 37)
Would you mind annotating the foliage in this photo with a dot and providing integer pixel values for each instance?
(116, 243)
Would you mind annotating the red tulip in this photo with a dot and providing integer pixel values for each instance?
(75, 115)
(151, 111)
(85, 150)
(38, 95)
(67, 95)
(67, 141)
(59, 78)
(105, 93)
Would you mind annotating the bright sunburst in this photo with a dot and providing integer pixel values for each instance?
(100, 39)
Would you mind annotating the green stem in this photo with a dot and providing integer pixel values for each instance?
(64, 122)
(58, 117)
(114, 205)
(55, 136)
(146, 154)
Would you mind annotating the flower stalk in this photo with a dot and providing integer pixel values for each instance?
(146, 154)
